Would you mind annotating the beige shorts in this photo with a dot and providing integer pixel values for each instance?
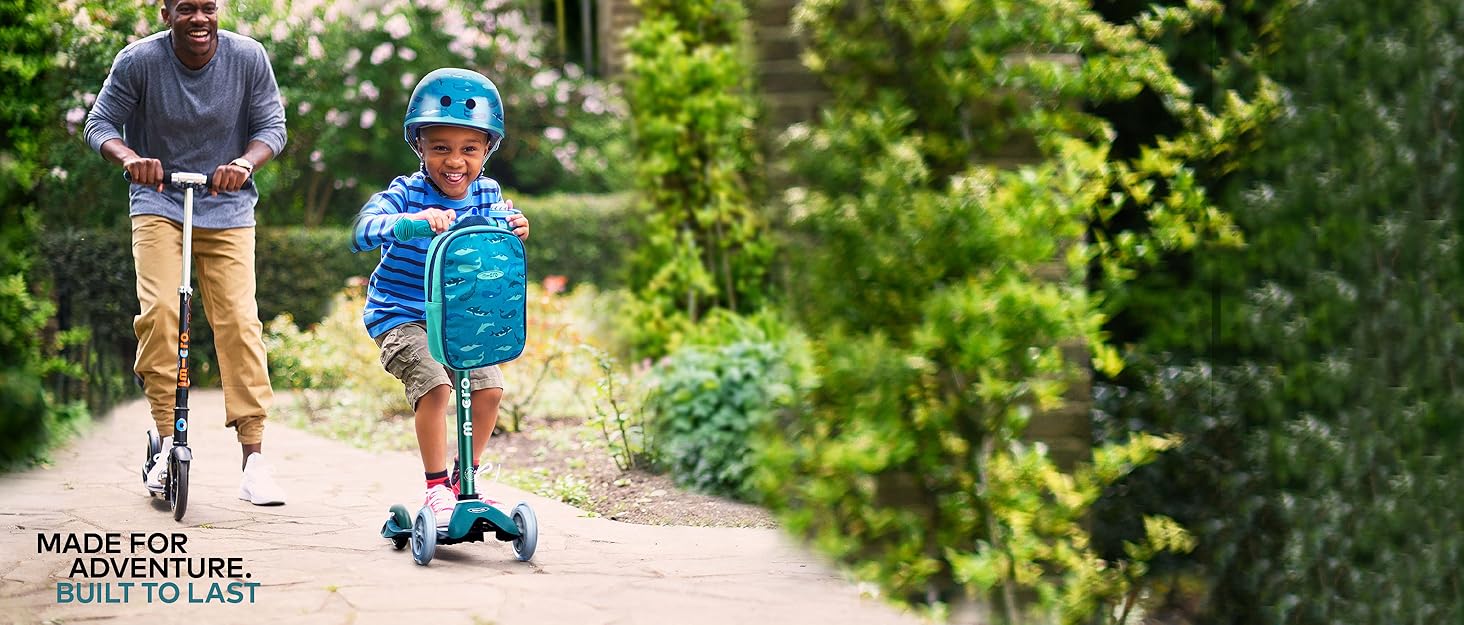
(404, 354)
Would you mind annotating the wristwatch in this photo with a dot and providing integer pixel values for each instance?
(243, 163)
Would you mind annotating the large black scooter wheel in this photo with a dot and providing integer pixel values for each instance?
(424, 536)
(178, 487)
(154, 445)
(528, 527)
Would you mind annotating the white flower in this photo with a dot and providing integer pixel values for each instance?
(397, 26)
(369, 91)
(59, 174)
(305, 107)
(544, 79)
(280, 32)
(554, 134)
(381, 53)
(368, 118)
(353, 56)
(407, 54)
(314, 49)
(408, 79)
(75, 115)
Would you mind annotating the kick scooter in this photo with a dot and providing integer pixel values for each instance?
(175, 479)
(475, 309)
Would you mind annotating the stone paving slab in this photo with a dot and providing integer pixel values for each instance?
(320, 560)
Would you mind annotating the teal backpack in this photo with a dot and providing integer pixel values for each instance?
(476, 291)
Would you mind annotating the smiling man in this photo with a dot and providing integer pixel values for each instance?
(194, 98)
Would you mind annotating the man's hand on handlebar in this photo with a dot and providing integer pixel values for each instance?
(228, 178)
(144, 171)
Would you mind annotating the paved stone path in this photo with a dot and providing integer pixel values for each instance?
(320, 560)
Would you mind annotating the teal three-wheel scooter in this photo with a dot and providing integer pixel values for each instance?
(476, 297)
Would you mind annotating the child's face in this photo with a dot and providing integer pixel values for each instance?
(454, 156)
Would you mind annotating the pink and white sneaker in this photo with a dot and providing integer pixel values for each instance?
(456, 482)
(441, 500)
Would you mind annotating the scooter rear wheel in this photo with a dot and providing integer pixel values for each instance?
(403, 520)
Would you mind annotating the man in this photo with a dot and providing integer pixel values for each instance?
(193, 98)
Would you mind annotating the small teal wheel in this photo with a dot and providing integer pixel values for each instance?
(424, 536)
(401, 519)
(528, 527)
(400, 515)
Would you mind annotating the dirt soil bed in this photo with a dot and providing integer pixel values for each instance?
(551, 451)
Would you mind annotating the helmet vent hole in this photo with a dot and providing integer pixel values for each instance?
(471, 104)
(446, 101)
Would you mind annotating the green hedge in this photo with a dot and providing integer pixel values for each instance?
(1322, 407)
(584, 238)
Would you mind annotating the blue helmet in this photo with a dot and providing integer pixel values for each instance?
(455, 97)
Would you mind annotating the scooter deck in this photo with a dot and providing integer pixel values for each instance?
(471, 520)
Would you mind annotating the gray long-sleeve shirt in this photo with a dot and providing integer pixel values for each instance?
(191, 120)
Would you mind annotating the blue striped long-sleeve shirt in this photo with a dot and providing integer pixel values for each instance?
(395, 293)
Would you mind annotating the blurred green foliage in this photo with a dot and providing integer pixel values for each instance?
(697, 167)
(29, 417)
(1314, 375)
(945, 291)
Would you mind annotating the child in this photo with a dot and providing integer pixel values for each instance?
(454, 122)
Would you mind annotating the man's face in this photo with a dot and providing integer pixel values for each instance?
(454, 156)
(195, 29)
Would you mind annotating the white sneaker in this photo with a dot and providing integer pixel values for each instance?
(159, 471)
(258, 485)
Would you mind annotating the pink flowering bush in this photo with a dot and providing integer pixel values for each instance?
(346, 69)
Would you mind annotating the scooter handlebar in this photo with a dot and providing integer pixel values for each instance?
(408, 229)
(179, 179)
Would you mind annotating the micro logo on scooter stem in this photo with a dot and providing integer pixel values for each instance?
(181, 425)
(183, 360)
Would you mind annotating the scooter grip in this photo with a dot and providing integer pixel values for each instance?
(408, 229)
(168, 177)
(500, 217)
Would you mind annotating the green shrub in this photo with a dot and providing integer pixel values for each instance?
(30, 418)
(697, 168)
(945, 291)
(712, 398)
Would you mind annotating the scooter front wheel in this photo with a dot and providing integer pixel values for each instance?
(178, 487)
(424, 536)
(528, 527)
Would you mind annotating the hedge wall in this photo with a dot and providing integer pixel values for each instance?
(1321, 398)
(299, 270)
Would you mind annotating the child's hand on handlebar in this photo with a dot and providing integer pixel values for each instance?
(518, 223)
(228, 178)
(439, 219)
(144, 171)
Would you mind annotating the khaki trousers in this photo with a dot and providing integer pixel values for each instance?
(223, 268)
